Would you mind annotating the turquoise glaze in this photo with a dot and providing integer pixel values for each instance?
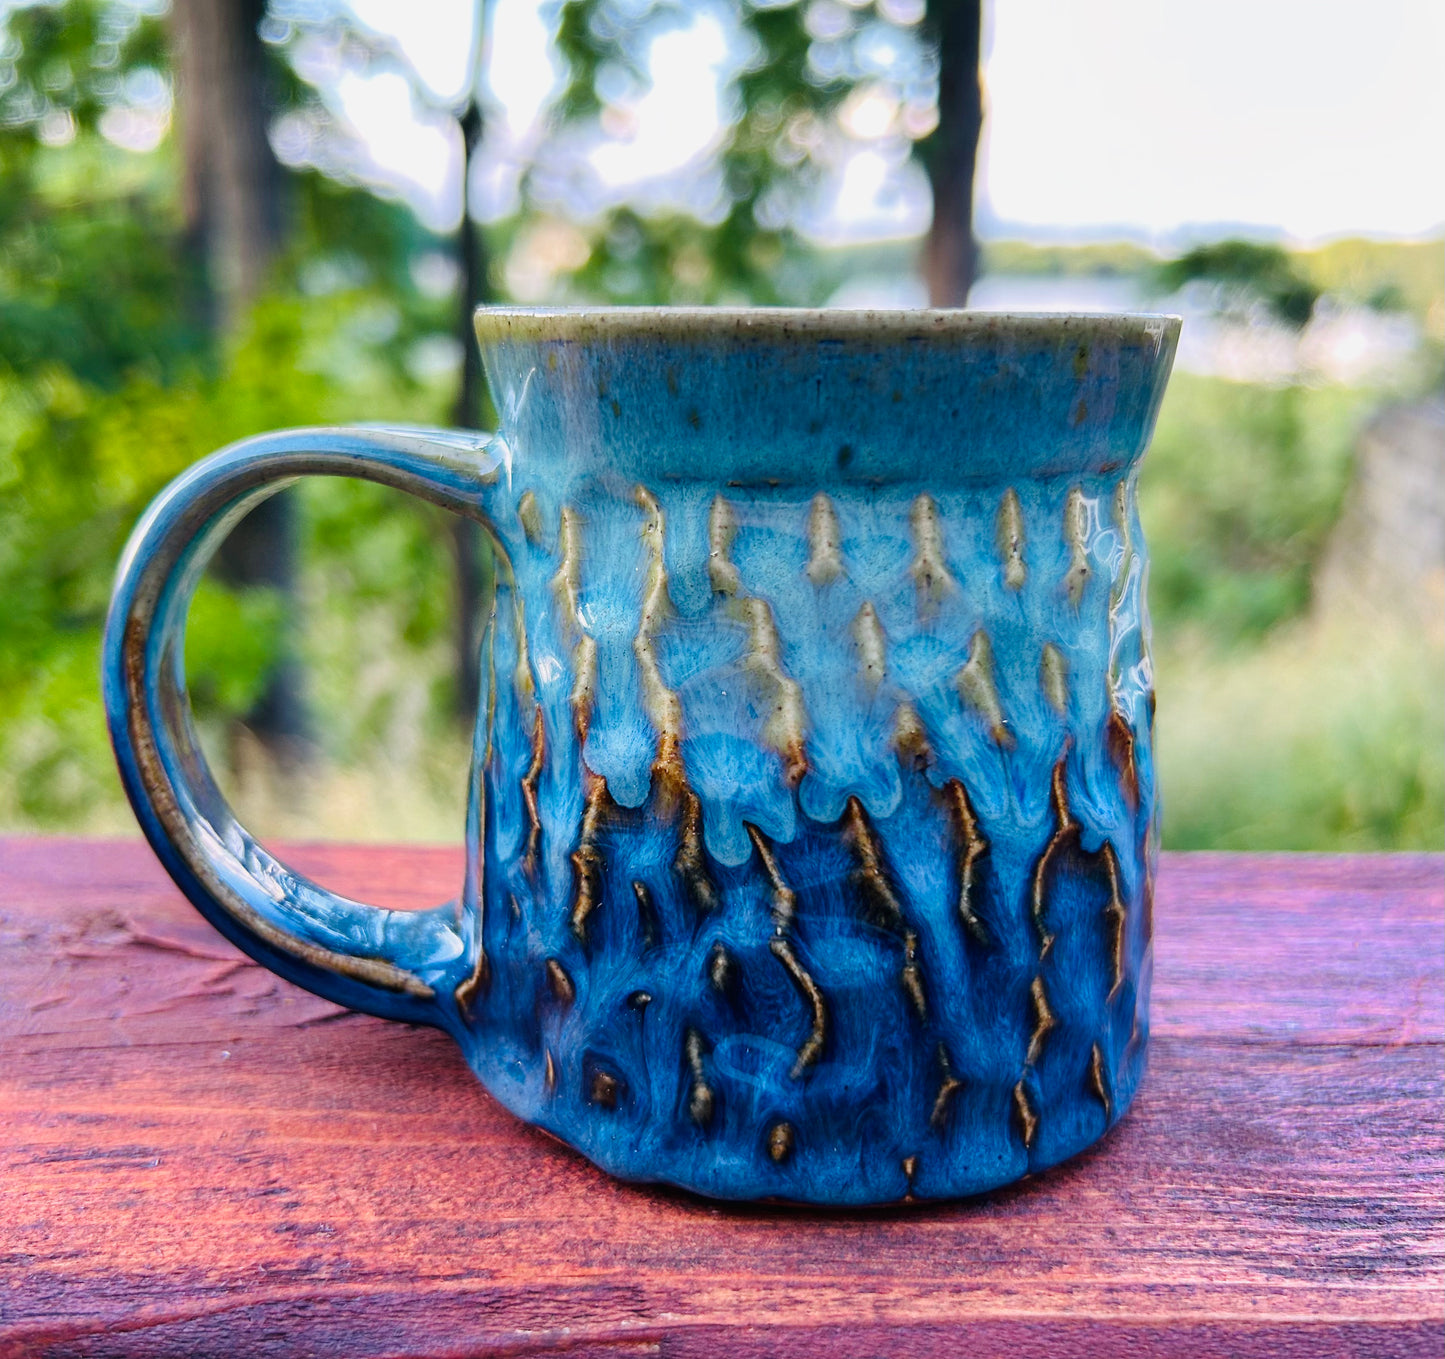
(812, 819)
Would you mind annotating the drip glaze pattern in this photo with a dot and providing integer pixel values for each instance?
(812, 819)
(853, 786)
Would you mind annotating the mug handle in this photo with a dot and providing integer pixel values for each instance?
(397, 964)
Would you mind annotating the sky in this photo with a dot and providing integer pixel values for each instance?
(1153, 119)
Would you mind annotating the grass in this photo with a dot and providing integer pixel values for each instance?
(1327, 735)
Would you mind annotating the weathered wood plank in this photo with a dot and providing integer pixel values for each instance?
(198, 1159)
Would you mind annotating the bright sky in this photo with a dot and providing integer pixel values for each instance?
(1317, 117)
(1314, 118)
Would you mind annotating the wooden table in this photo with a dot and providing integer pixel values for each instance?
(196, 1159)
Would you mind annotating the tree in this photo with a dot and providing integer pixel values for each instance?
(950, 256)
(234, 230)
(1243, 274)
(231, 181)
(112, 380)
(66, 71)
(742, 235)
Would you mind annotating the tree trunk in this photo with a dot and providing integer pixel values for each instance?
(470, 412)
(231, 182)
(231, 199)
(950, 153)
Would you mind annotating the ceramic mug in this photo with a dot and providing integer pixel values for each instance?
(811, 821)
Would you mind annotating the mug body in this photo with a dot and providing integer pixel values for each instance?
(814, 839)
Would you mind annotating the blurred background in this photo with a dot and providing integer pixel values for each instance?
(222, 216)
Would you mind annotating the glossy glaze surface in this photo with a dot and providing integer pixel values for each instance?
(812, 824)
(821, 786)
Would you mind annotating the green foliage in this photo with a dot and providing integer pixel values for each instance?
(78, 463)
(64, 65)
(1245, 272)
(109, 386)
(93, 292)
(1328, 736)
(378, 590)
(232, 640)
(1238, 494)
(744, 243)
(1275, 730)
(1390, 275)
(1115, 259)
(89, 273)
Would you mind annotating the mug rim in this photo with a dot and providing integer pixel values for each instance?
(681, 324)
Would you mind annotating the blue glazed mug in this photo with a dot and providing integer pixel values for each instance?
(811, 823)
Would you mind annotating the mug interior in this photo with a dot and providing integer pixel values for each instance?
(781, 396)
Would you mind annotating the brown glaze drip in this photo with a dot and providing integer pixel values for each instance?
(663, 707)
(1099, 1082)
(870, 877)
(786, 727)
(549, 1071)
(530, 517)
(649, 935)
(567, 589)
(930, 572)
(720, 969)
(1009, 536)
(825, 538)
(700, 1099)
(1121, 518)
(812, 1047)
(787, 723)
(785, 901)
(587, 863)
(662, 704)
(784, 909)
(722, 528)
(1044, 1021)
(476, 982)
(974, 847)
(1118, 918)
(529, 795)
(605, 1090)
(567, 583)
(584, 685)
(522, 678)
(1076, 528)
(977, 689)
(559, 983)
(690, 862)
(948, 1087)
(913, 975)
(1054, 678)
(1024, 1115)
(872, 647)
(1066, 829)
(1119, 741)
(910, 739)
(780, 1142)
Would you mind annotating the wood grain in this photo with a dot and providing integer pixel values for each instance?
(197, 1159)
